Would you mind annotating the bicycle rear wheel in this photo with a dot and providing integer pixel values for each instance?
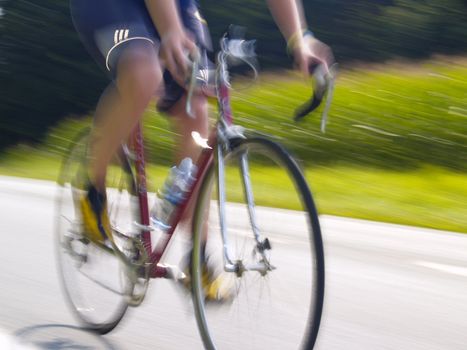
(95, 281)
(280, 306)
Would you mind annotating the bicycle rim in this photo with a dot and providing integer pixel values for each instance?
(95, 282)
(282, 309)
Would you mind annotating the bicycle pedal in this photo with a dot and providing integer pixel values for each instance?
(75, 232)
(142, 227)
(173, 272)
(129, 241)
(120, 234)
(80, 258)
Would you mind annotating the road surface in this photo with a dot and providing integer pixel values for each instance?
(388, 287)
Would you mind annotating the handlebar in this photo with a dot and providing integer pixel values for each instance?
(195, 60)
(237, 50)
(233, 52)
(323, 88)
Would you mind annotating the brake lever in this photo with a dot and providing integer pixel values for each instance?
(323, 87)
(329, 96)
(196, 57)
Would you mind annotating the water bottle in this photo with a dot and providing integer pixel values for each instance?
(173, 193)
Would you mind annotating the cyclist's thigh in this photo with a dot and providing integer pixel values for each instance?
(109, 27)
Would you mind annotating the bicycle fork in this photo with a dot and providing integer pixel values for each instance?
(262, 245)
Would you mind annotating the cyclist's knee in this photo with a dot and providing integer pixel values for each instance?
(200, 110)
(139, 74)
(199, 106)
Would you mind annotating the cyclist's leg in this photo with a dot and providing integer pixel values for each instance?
(173, 101)
(174, 104)
(185, 145)
(215, 287)
(119, 109)
(184, 125)
(121, 37)
(122, 105)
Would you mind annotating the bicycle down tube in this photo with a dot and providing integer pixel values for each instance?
(155, 255)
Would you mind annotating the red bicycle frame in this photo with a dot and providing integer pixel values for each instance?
(203, 163)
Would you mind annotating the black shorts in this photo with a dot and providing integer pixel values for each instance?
(108, 27)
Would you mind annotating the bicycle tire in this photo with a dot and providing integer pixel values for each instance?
(67, 220)
(310, 325)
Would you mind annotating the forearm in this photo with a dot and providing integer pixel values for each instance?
(165, 16)
(301, 13)
(287, 15)
(307, 50)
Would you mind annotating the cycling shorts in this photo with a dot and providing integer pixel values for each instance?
(108, 27)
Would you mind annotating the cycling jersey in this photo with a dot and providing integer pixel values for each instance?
(108, 27)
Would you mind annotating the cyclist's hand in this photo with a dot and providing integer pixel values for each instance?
(175, 47)
(310, 51)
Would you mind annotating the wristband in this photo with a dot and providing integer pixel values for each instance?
(308, 33)
(296, 37)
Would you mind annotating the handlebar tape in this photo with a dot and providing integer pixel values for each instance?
(307, 108)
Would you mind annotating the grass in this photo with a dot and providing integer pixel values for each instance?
(396, 116)
(430, 197)
(427, 197)
(395, 149)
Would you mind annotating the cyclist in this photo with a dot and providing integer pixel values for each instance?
(143, 45)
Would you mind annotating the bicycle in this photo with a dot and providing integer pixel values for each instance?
(247, 260)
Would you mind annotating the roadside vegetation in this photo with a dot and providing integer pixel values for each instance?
(395, 149)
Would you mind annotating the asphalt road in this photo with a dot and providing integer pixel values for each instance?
(388, 287)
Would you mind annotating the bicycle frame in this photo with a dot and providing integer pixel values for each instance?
(206, 158)
(218, 138)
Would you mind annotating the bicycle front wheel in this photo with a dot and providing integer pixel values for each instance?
(95, 281)
(275, 279)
